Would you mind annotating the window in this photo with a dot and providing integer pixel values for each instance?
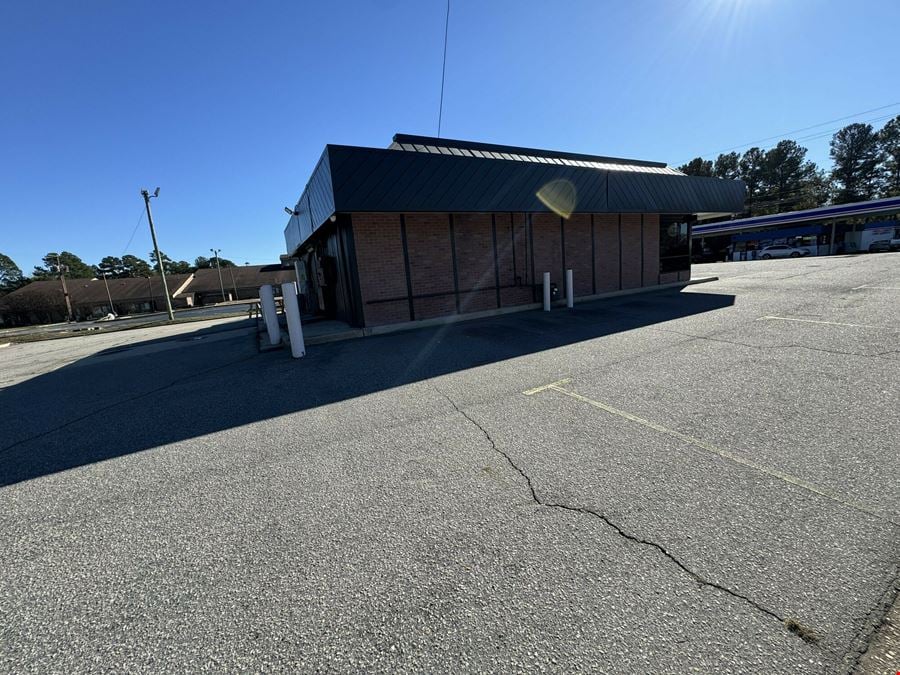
(674, 243)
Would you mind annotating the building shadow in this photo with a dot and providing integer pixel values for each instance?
(152, 393)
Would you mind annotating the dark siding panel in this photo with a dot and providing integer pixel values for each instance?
(426, 182)
(361, 177)
(456, 191)
(435, 172)
(316, 204)
(373, 180)
(292, 238)
(321, 195)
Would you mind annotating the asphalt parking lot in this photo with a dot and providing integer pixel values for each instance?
(703, 480)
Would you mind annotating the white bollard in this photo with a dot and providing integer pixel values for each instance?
(546, 291)
(292, 312)
(570, 290)
(267, 302)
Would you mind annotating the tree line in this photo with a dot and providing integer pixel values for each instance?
(865, 165)
(113, 267)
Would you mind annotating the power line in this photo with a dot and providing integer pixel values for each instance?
(823, 134)
(813, 126)
(133, 232)
(810, 137)
(443, 69)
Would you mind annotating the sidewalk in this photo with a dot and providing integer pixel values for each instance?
(314, 333)
(320, 331)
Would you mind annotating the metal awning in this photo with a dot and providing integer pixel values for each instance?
(822, 214)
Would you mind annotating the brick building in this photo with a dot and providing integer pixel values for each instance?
(431, 227)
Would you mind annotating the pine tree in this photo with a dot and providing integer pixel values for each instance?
(856, 154)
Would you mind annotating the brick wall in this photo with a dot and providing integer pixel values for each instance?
(606, 251)
(632, 259)
(578, 252)
(475, 261)
(547, 237)
(595, 263)
(379, 260)
(430, 264)
(515, 265)
(651, 249)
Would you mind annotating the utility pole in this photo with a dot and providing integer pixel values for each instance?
(233, 285)
(162, 269)
(150, 285)
(62, 269)
(108, 294)
(215, 251)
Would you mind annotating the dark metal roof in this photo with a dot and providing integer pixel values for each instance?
(823, 213)
(481, 177)
(92, 291)
(241, 276)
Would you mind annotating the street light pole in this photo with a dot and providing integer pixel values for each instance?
(62, 277)
(162, 270)
(215, 251)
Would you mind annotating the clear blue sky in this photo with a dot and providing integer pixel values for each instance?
(227, 106)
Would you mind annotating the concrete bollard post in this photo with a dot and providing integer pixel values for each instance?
(546, 291)
(267, 303)
(570, 290)
(292, 312)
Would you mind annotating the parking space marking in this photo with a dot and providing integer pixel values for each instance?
(826, 323)
(531, 392)
(703, 445)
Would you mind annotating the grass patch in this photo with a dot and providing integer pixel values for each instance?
(797, 628)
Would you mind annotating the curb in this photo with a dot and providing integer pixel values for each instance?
(354, 333)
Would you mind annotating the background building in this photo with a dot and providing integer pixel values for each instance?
(44, 301)
(837, 228)
(205, 286)
(431, 227)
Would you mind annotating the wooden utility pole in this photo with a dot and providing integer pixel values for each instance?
(219, 268)
(62, 269)
(162, 268)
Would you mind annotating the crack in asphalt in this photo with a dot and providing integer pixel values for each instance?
(792, 626)
(871, 623)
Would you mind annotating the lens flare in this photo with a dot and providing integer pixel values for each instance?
(559, 196)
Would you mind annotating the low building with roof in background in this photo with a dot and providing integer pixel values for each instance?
(44, 302)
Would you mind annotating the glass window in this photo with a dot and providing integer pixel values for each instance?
(674, 243)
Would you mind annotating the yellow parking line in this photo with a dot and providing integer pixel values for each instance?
(826, 323)
(703, 445)
(531, 392)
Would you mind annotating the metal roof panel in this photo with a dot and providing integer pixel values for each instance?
(372, 179)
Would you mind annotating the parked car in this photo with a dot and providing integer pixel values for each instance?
(880, 246)
(781, 251)
(895, 244)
